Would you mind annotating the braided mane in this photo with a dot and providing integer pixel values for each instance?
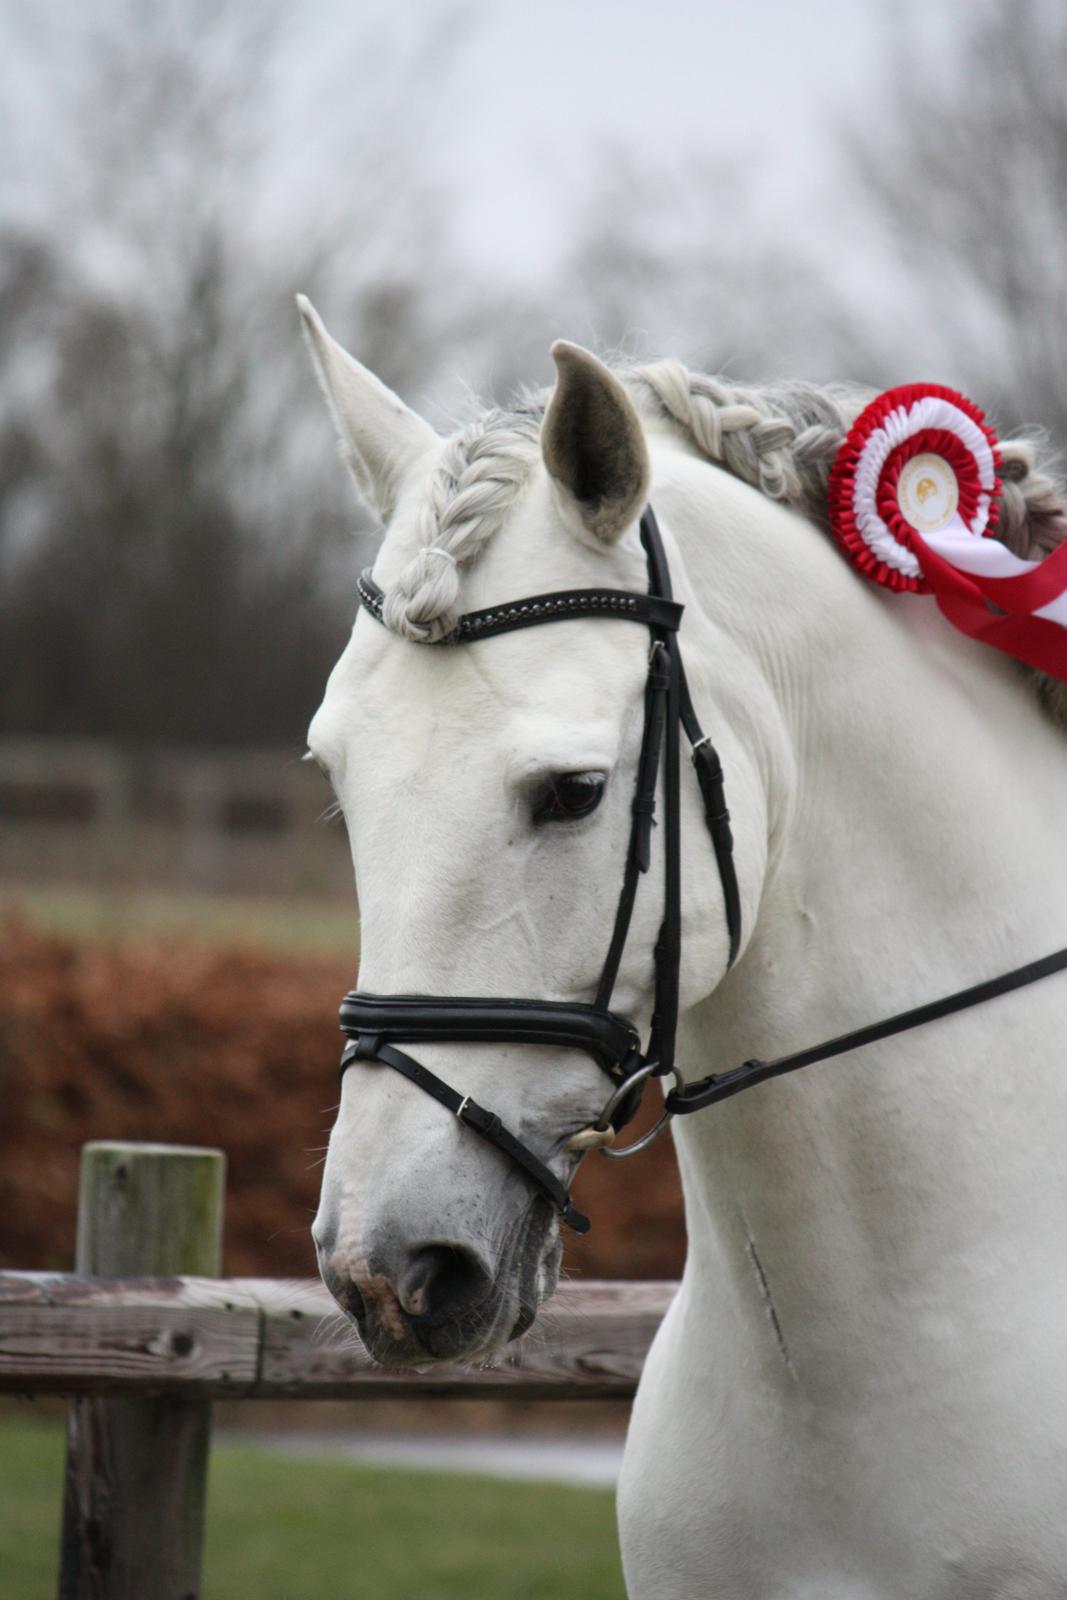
(781, 438)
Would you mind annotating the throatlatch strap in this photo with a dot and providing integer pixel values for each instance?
(486, 1123)
(720, 1086)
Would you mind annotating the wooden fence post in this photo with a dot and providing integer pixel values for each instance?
(133, 1512)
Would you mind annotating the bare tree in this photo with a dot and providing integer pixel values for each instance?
(962, 178)
(172, 524)
(691, 260)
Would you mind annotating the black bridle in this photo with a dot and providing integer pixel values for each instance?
(376, 1024)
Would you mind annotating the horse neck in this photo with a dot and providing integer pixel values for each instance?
(913, 793)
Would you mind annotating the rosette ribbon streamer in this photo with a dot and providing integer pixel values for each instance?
(914, 502)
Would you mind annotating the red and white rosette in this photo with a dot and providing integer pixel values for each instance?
(914, 499)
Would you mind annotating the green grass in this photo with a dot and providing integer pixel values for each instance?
(295, 926)
(305, 1530)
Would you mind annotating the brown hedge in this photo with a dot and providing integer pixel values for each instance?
(188, 1043)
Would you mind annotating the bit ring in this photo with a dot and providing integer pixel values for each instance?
(603, 1122)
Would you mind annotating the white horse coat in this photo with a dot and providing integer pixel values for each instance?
(860, 1392)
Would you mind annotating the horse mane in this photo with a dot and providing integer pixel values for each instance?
(779, 437)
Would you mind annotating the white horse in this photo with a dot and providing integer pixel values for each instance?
(860, 1390)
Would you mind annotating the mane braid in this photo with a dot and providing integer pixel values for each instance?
(781, 438)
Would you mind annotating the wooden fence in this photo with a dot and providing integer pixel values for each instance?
(142, 1356)
(240, 821)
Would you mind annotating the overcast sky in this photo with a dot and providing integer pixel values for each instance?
(534, 86)
(520, 103)
(767, 87)
(751, 84)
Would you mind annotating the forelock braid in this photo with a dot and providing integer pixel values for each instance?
(481, 472)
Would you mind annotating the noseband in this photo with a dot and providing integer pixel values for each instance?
(376, 1024)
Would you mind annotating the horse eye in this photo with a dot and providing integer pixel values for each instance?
(569, 795)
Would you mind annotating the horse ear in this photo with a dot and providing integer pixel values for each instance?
(593, 444)
(381, 438)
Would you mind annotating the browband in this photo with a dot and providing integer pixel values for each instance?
(561, 605)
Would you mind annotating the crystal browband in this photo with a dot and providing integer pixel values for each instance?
(652, 610)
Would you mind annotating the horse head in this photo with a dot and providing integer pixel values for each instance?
(488, 793)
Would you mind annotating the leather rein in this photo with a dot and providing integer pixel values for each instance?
(376, 1024)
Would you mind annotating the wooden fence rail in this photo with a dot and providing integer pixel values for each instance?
(142, 1357)
(262, 1338)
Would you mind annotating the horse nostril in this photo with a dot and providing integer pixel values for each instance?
(441, 1278)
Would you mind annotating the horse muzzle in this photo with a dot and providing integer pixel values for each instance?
(414, 1302)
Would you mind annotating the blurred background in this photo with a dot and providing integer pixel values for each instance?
(857, 190)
